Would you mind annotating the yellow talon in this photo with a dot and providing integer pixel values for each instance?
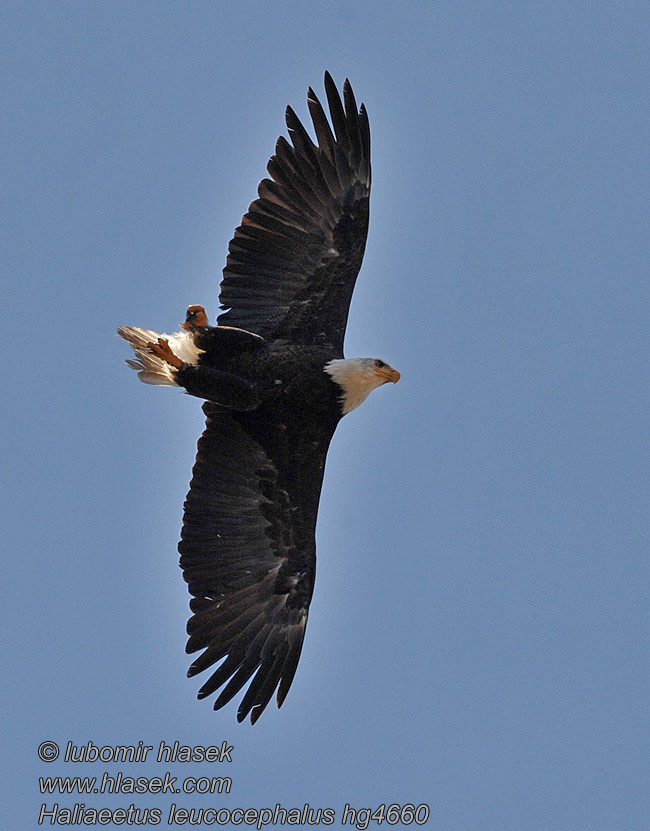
(162, 350)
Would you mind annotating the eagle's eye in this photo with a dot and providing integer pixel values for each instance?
(379, 364)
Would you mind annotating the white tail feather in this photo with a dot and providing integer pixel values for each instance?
(150, 368)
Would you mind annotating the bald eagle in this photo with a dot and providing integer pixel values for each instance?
(275, 385)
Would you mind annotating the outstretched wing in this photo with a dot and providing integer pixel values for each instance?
(248, 555)
(294, 259)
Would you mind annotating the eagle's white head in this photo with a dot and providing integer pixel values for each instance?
(358, 377)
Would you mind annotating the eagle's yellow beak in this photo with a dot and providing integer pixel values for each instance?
(388, 374)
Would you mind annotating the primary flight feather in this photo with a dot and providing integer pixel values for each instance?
(275, 385)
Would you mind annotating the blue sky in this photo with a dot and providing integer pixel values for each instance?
(478, 638)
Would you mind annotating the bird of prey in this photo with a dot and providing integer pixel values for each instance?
(275, 385)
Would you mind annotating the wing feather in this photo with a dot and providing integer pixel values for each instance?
(248, 555)
(321, 125)
(293, 262)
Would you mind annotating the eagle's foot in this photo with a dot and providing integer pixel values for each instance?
(161, 349)
(196, 318)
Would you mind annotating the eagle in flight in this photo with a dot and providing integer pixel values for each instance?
(275, 385)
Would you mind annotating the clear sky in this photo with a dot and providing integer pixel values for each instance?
(478, 638)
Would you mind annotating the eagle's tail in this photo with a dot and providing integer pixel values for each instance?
(152, 369)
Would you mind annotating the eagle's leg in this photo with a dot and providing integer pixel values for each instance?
(224, 388)
(162, 349)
